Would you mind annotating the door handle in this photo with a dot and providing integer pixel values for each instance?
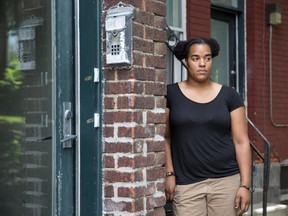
(67, 126)
(68, 138)
(44, 138)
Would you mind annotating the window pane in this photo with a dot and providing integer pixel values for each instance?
(175, 20)
(230, 3)
(174, 13)
(25, 108)
(220, 69)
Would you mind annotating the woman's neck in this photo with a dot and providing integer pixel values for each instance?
(199, 85)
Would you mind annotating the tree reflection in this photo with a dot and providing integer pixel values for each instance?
(11, 115)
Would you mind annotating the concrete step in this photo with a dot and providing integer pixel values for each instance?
(272, 210)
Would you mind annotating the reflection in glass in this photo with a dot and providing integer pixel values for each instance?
(25, 108)
(174, 15)
(220, 70)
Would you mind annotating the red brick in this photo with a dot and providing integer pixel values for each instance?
(111, 206)
(159, 22)
(132, 192)
(109, 102)
(160, 129)
(129, 94)
(138, 176)
(160, 186)
(155, 173)
(151, 189)
(126, 132)
(145, 74)
(155, 34)
(155, 117)
(138, 30)
(109, 191)
(135, 102)
(139, 204)
(156, 61)
(155, 146)
(143, 45)
(156, 7)
(136, 3)
(134, 206)
(147, 102)
(196, 17)
(108, 131)
(124, 102)
(161, 75)
(119, 116)
(160, 158)
(126, 162)
(138, 146)
(161, 102)
(109, 161)
(138, 58)
(109, 74)
(153, 202)
(144, 17)
(155, 89)
(118, 147)
(127, 75)
(123, 87)
(141, 161)
(144, 132)
(112, 176)
(138, 73)
(160, 48)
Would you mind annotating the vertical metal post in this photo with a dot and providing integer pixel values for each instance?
(252, 185)
(266, 175)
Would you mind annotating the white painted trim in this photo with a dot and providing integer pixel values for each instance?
(77, 108)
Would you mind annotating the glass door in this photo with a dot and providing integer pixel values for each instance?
(223, 30)
(36, 90)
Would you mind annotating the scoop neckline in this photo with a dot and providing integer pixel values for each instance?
(199, 102)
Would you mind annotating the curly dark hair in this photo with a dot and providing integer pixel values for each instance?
(182, 47)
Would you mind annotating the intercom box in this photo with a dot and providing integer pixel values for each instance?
(118, 27)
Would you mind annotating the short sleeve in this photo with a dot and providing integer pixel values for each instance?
(234, 99)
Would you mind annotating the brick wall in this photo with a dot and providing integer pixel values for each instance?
(134, 118)
(198, 18)
(258, 76)
(35, 159)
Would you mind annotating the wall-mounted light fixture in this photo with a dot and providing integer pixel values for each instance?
(273, 14)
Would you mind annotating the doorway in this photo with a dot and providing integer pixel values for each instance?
(50, 149)
(223, 29)
(27, 115)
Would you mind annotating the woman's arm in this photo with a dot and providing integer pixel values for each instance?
(170, 180)
(239, 131)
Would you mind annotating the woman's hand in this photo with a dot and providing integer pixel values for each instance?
(170, 185)
(242, 201)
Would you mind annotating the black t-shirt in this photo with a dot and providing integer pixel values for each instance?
(201, 141)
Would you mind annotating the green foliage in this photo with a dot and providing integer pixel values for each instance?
(13, 77)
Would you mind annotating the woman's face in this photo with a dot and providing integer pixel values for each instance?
(199, 62)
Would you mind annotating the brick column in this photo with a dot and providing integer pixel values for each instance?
(134, 118)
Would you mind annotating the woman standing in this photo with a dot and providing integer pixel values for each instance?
(208, 157)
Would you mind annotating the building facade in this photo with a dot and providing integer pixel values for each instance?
(83, 84)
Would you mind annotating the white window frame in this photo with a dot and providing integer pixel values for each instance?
(175, 71)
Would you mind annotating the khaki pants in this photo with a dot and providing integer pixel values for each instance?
(211, 197)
